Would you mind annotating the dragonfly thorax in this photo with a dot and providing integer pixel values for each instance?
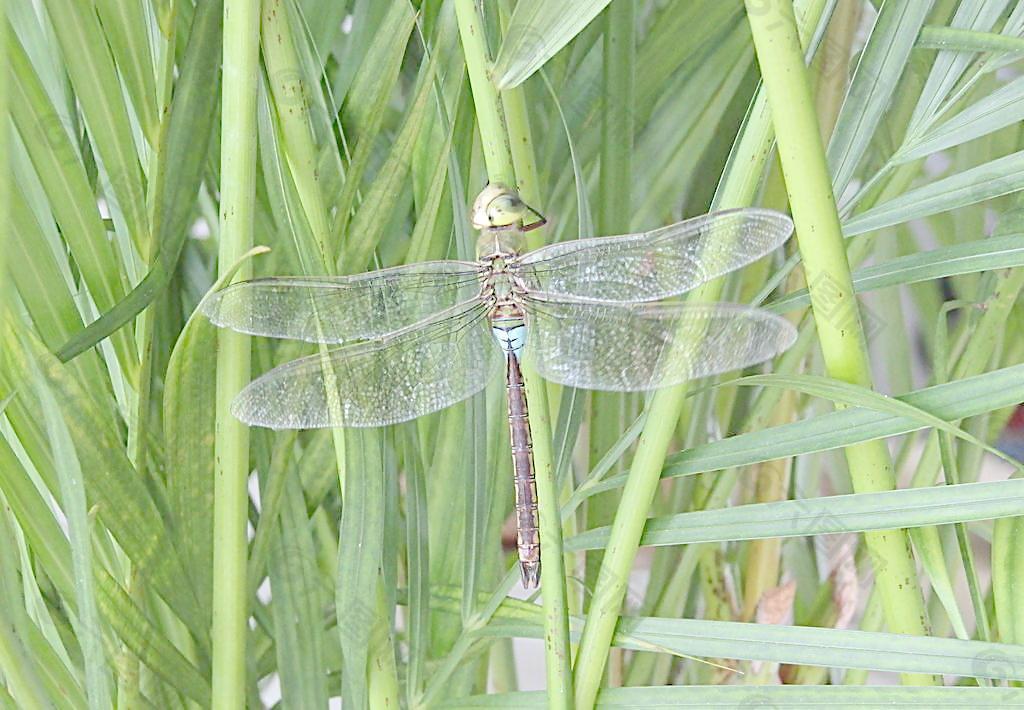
(495, 242)
(501, 287)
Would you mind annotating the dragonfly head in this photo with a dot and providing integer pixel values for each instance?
(498, 206)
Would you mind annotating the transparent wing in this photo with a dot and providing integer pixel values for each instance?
(657, 264)
(640, 346)
(393, 379)
(343, 309)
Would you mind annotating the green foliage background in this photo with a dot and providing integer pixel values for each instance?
(367, 153)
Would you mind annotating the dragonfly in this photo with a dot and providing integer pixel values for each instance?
(592, 313)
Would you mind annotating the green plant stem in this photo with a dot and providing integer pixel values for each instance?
(498, 158)
(291, 101)
(5, 176)
(553, 590)
(20, 665)
(128, 675)
(524, 161)
(290, 98)
(615, 208)
(614, 215)
(521, 145)
(840, 333)
(382, 673)
(231, 446)
(493, 135)
(543, 396)
(624, 540)
(956, 39)
(739, 186)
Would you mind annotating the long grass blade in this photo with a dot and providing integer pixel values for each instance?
(191, 115)
(855, 512)
(779, 696)
(72, 496)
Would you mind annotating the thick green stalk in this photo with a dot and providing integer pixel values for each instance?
(823, 251)
(238, 187)
(128, 666)
(493, 135)
(624, 540)
(524, 159)
(524, 162)
(614, 215)
(617, 118)
(552, 572)
(291, 100)
(5, 173)
(381, 672)
(738, 188)
(498, 157)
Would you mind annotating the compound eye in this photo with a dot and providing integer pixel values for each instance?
(497, 206)
(505, 210)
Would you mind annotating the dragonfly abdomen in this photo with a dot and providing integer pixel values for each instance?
(511, 334)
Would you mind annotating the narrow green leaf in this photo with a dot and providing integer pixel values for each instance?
(125, 504)
(992, 179)
(964, 398)
(941, 37)
(377, 209)
(99, 93)
(948, 67)
(854, 395)
(379, 68)
(1007, 575)
(367, 102)
(86, 621)
(359, 556)
(192, 116)
(537, 31)
(298, 150)
(52, 309)
(837, 697)
(148, 642)
(188, 416)
(50, 548)
(971, 257)
(1001, 108)
(804, 645)
(127, 32)
(929, 549)
(418, 551)
(22, 676)
(854, 512)
(298, 605)
(36, 521)
(874, 81)
(63, 177)
(189, 404)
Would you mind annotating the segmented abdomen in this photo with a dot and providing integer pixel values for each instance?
(527, 527)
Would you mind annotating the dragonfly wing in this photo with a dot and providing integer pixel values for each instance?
(653, 265)
(640, 346)
(393, 379)
(343, 309)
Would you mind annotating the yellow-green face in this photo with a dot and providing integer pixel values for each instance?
(498, 206)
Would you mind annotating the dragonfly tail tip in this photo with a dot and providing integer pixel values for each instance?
(531, 574)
